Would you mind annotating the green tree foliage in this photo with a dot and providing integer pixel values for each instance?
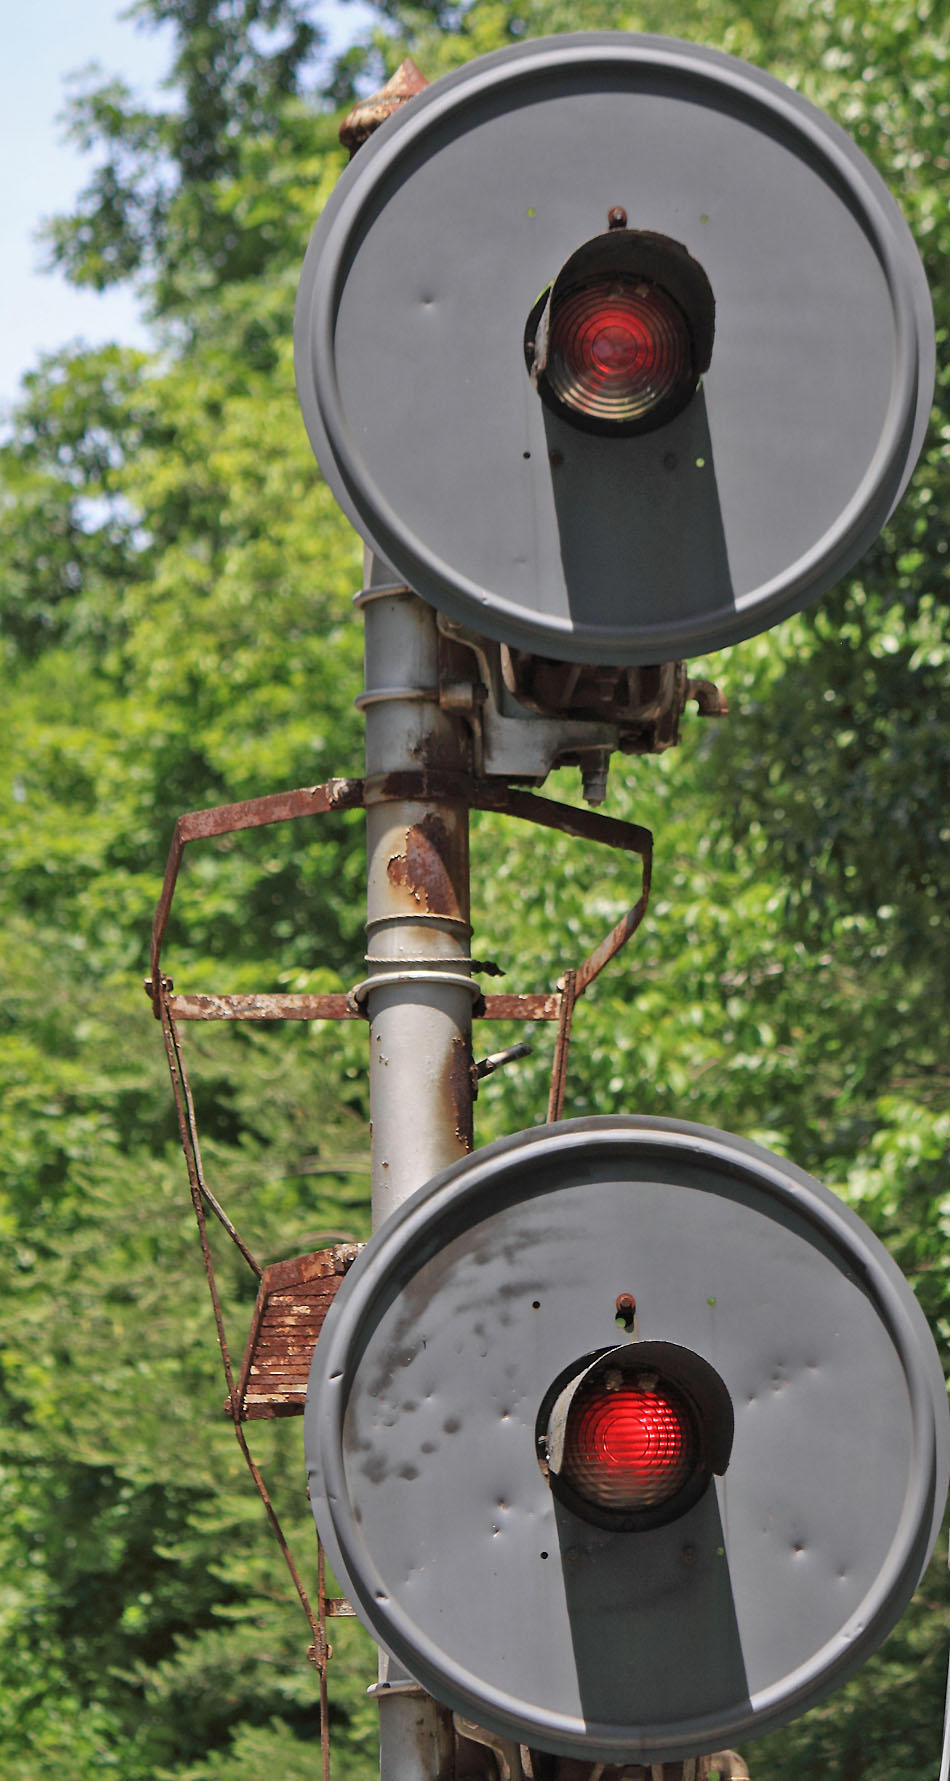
(153, 205)
(175, 631)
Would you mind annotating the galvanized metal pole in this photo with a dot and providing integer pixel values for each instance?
(418, 993)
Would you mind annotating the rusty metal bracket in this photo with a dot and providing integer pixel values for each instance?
(271, 1280)
(426, 786)
(293, 1298)
(200, 1196)
(585, 825)
(229, 819)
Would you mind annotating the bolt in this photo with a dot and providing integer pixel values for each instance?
(595, 766)
(627, 1313)
(488, 1065)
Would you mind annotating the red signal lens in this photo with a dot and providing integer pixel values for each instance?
(619, 341)
(619, 348)
(630, 1444)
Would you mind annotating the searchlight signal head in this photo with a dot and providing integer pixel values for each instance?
(630, 1438)
(618, 343)
(774, 477)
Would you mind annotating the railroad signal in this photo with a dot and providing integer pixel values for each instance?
(637, 1549)
(614, 348)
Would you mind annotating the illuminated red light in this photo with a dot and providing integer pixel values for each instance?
(628, 1446)
(630, 1438)
(619, 342)
(619, 348)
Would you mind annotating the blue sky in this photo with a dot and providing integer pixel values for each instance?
(45, 41)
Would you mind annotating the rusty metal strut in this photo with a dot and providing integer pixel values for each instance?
(319, 1650)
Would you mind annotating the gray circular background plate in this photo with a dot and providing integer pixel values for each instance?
(410, 370)
(420, 1436)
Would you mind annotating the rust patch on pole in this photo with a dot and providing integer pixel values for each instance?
(434, 867)
(458, 1085)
